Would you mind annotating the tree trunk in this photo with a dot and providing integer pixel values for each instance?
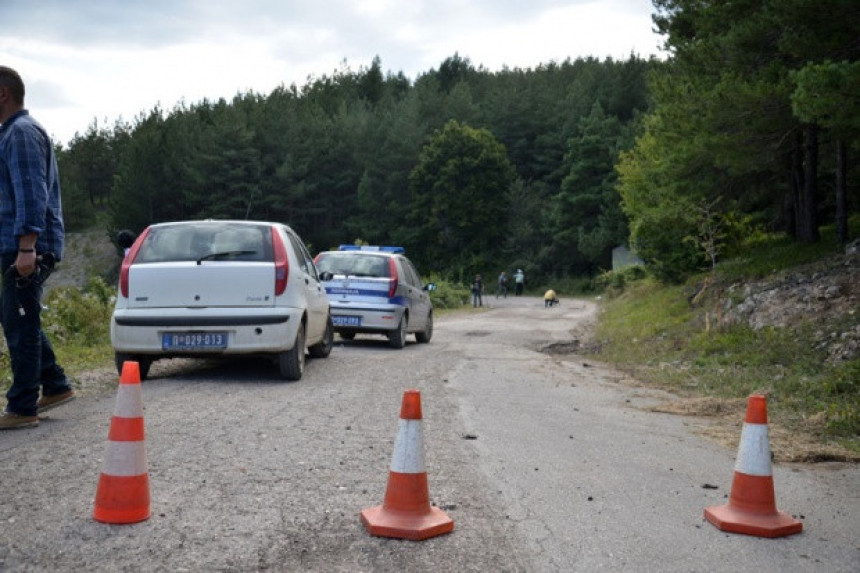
(807, 212)
(793, 202)
(841, 193)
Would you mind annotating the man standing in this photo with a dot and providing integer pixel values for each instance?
(31, 240)
(478, 291)
(502, 287)
(519, 280)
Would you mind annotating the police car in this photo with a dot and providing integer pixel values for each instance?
(376, 290)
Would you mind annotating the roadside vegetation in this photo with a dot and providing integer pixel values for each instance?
(666, 336)
(77, 322)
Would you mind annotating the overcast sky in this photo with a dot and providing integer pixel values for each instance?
(105, 60)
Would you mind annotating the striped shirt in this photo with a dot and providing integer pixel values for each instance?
(29, 187)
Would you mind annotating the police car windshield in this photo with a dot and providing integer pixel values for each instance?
(354, 264)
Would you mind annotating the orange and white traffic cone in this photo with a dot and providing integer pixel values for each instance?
(406, 512)
(752, 505)
(122, 495)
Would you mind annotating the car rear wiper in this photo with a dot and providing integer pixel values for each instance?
(223, 254)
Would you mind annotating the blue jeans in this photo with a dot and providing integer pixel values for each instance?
(33, 362)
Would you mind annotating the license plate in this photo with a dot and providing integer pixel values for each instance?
(346, 320)
(193, 340)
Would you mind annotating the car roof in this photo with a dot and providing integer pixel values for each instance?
(372, 249)
(230, 221)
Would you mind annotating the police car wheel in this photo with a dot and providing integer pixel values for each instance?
(397, 337)
(427, 333)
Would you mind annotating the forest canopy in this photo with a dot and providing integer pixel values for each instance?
(749, 125)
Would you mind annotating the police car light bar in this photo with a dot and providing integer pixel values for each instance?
(386, 249)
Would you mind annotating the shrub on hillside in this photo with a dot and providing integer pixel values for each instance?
(612, 281)
(448, 294)
(79, 316)
(73, 318)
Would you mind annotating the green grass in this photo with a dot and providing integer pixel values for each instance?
(655, 332)
(762, 254)
(77, 324)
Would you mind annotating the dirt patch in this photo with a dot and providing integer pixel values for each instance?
(561, 348)
(95, 381)
(707, 406)
(724, 422)
(86, 254)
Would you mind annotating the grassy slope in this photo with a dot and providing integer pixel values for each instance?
(666, 337)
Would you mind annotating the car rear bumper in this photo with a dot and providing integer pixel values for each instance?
(373, 318)
(248, 331)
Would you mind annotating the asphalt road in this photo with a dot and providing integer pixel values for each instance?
(544, 460)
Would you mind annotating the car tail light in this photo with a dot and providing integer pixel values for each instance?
(128, 260)
(282, 264)
(392, 282)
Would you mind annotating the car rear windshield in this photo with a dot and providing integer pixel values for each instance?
(353, 264)
(201, 241)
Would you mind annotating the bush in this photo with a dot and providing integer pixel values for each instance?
(613, 281)
(81, 317)
(75, 321)
(448, 294)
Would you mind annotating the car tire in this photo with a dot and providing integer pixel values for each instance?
(142, 363)
(323, 348)
(425, 335)
(292, 362)
(397, 337)
(347, 335)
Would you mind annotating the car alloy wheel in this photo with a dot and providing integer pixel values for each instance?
(323, 348)
(292, 362)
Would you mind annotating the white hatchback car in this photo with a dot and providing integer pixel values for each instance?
(213, 287)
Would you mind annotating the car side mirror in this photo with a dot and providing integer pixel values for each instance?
(326, 276)
(430, 287)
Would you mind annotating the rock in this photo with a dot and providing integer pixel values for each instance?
(822, 293)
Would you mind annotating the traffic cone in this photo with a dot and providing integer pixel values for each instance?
(752, 505)
(406, 512)
(122, 495)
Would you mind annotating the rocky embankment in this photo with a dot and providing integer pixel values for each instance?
(86, 254)
(825, 294)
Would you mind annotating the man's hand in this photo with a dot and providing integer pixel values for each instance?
(26, 263)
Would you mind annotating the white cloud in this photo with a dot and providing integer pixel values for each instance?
(110, 59)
